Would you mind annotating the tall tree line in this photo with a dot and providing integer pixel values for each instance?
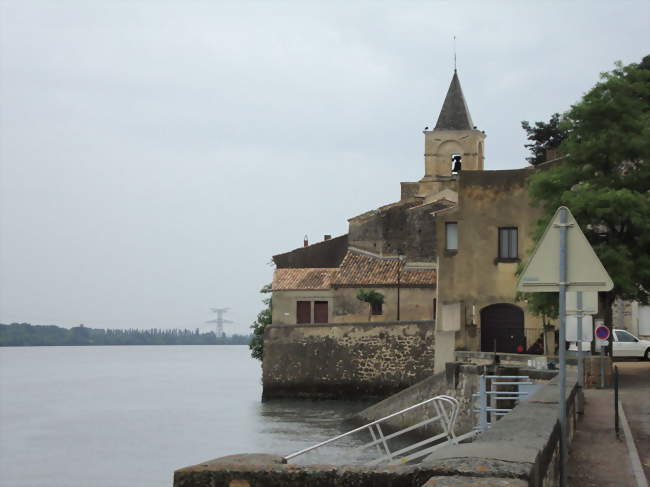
(25, 334)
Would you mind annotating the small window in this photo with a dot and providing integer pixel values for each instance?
(508, 243)
(451, 230)
(624, 336)
(376, 308)
(435, 308)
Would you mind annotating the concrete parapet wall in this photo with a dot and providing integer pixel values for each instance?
(524, 444)
(348, 360)
(271, 471)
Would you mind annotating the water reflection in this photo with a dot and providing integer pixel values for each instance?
(295, 425)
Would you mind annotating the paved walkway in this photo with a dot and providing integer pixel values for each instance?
(635, 396)
(597, 458)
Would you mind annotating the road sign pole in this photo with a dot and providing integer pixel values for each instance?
(562, 284)
(581, 370)
(602, 367)
(584, 271)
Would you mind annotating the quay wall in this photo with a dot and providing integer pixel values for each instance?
(346, 360)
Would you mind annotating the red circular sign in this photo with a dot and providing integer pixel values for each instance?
(602, 332)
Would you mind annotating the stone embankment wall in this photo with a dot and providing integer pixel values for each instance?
(522, 449)
(351, 360)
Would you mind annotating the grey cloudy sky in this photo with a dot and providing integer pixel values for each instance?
(154, 155)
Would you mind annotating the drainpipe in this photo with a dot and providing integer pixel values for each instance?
(400, 259)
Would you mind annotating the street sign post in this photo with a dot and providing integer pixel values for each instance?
(550, 269)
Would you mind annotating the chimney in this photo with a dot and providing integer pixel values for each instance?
(327, 237)
(306, 241)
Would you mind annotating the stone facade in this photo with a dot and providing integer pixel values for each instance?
(346, 360)
(464, 284)
(473, 276)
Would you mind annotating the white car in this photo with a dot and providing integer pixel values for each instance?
(625, 345)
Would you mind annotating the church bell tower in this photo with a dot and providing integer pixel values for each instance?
(454, 144)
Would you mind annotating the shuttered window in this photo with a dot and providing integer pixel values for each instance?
(451, 230)
(320, 312)
(508, 243)
(303, 311)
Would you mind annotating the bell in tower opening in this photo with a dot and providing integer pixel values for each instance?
(456, 163)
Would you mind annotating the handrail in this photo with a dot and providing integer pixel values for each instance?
(488, 413)
(446, 418)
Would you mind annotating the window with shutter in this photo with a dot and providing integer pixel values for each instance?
(303, 312)
(508, 243)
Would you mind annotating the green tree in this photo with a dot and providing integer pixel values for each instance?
(605, 181)
(256, 344)
(371, 297)
(546, 138)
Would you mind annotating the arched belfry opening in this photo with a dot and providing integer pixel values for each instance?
(502, 327)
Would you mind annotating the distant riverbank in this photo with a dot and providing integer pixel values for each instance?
(28, 335)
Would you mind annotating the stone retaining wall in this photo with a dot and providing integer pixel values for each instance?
(350, 360)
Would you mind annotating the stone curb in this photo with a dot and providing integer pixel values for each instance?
(635, 460)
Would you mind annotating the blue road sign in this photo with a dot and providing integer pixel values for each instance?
(602, 332)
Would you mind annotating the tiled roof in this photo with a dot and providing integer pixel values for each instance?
(304, 279)
(359, 269)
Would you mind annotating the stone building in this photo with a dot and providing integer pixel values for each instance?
(446, 252)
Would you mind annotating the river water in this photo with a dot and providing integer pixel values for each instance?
(106, 416)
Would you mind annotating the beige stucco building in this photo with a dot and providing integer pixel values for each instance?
(446, 252)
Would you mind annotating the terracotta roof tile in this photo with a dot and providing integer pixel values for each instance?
(294, 279)
(359, 269)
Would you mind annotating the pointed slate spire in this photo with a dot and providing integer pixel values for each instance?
(454, 114)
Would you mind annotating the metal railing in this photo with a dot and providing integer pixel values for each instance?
(445, 413)
(489, 410)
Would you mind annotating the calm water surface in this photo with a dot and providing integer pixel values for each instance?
(106, 416)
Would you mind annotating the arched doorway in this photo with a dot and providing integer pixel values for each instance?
(502, 324)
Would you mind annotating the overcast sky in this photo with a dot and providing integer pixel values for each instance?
(155, 155)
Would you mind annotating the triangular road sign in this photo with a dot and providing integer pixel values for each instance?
(585, 272)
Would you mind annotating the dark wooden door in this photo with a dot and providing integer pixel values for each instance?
(303, 311)
(502, 324)
(320, 312)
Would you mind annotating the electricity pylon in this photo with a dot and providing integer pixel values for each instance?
(219, 321)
